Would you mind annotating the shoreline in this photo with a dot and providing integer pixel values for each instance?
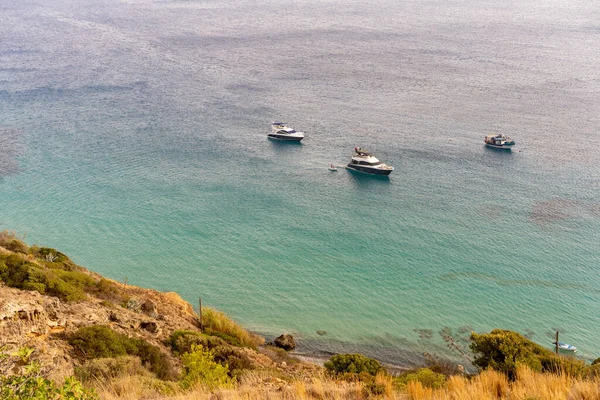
(395, 359)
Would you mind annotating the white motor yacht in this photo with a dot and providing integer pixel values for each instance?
(364, 161)
(499, 141)
(280, 131)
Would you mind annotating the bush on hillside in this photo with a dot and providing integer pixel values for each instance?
(19, 272)
(182, 341)
(353, 363)
(425, 376)
(53, 259)
(27, 383)
(504, 351)
(109, 368)
(59, 277)
(9, 241)
(200, 368)
(99, 341)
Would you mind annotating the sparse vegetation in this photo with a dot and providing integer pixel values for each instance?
(22, 379)
(99, 341)
(424, 376)
(353, 364)
(235, 359)
(505, 351)
(202, 369)
(218, 324)
(50, 272)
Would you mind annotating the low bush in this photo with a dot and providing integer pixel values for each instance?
(182, 341)
(99, 341)
(28, 384)
(426, 377)
(19, 272)
(200, 368)
(53, 259)
(108, 368)
(353, 363)
(9, 241)
(505, 351)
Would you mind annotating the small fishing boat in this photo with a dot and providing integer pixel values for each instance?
(499, 141)
(332, 167)
(565, 346)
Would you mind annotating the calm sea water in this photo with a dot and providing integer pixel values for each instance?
(132, 137)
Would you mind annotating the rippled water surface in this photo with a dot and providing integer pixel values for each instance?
(132, 137)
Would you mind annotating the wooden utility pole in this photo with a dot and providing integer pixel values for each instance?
(200, 312)
(556, 350)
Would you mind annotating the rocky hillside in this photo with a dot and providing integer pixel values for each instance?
(45, 299)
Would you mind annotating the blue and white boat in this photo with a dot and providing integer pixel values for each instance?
(280, 131)
(565, 346)
(499, 141)
(364, 161)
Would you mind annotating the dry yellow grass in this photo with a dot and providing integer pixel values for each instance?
(529, 385)
(254, 386)
(217, 321)
(259, 385)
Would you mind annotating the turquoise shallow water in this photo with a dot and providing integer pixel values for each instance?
(132, 137)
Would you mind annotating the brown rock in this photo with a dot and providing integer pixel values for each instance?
(148, 307)
(149, 326)
(114, 317)
(285, 342)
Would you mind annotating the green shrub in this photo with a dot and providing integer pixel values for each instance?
(16, 271)
(29, 385)
(425, 376)
(107, 290)
(99, 341)
(9, 241)
(108, 368)
(182, 341)
(353, 363)
(235, 359)
(53, 259)
(200, 368)
(154, 360)
(564, 365)
(504, 351)
(232, 340)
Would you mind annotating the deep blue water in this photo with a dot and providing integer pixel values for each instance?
(133, 138)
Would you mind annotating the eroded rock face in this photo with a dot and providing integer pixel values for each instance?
(149, 308)
(30, 319)
(285, 342)
(149, 326)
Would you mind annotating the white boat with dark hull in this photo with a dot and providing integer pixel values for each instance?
(280, 131)
(499, 141)
(364, 161)
(565, 347)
